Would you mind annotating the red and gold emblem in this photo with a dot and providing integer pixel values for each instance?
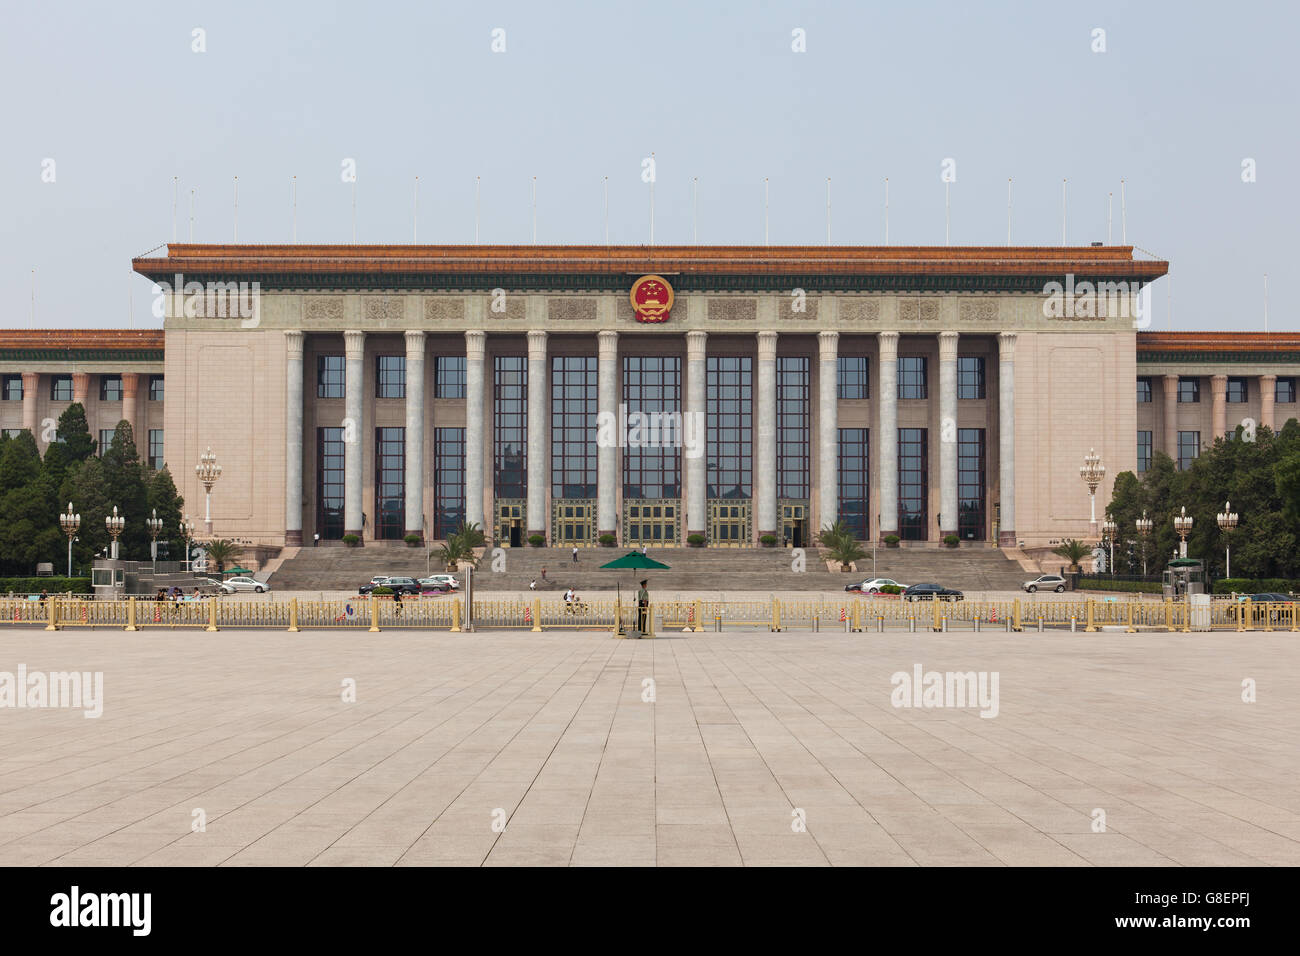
(652, 299)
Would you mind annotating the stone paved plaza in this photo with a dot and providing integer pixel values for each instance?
(549, 733)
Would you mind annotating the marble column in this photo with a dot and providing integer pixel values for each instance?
(131, 412)
(80, 387)
(475, 347)
(1171, 416)
(1267, 396)
(1007, 439)
(947, 433)
(354, 369)
(764, 464)
(606, 451)
(538, 392)
(31, 391)
(697, 515)
(414, 433)
(886, 440)
(828, 429)
(1219, 391)
(293, 342)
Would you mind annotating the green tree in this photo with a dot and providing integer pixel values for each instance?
(221, 552)
(74, 434)
(127, 489)
(162, 497)
(87, 489)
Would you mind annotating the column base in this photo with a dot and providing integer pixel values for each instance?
(943, 534)
(293, 539)
(761, 532)
(361, 535)
(601, 533)
(414, 531)
(1007, 539)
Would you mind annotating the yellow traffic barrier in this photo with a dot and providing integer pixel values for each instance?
(935, 602)
(293, 615)
(537, 614)
(1092, 623)
(699, 616)
(776, 616)
(52, 608)
(1130, 628)
(1015, 616)
(649, 620)
(212, 614)
(455, 616)
(374, 613)
(130, 613)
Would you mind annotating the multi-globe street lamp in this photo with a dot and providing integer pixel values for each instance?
(1092, 471)
(1144, 526)
(1227, 520)
(155, 526)
(115, 524)
(208, 471)
(70, 522)
(1108, 528)
(1183, 525)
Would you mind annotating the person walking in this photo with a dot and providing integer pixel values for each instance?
(543, 573)
(642, 609)
(575, 554)
(532, 585)
(397, 603)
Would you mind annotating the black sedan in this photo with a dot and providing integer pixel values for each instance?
(402, 585)
(932, 592)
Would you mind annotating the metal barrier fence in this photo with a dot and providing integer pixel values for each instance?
(373, 613)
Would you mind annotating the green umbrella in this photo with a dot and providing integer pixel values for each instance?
(238, 570)
(635, 561)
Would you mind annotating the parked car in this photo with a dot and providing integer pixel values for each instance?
(245, 583)
(213, 586)
(874, 585)
(405, 585)
(1267, 597)
(1045, 582)
(448, 581)
(932, 592)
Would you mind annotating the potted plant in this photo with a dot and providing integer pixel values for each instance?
(695, 540)
(951, 541)
(607, 540)
(1074, 551)
(382, 591)
(768, 541)
(413, 540)
(536, 540)
(351, 540)
(890, 590)
(891, 540)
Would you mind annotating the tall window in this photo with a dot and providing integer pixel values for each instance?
(155, 448)
(792, 427)
(1144, 389)
(110, 388)
(1284, 393)
(1144, 451)
(1237, 390)
(970, 484)
(449, 376)
(510, 426)
(1189, 390)
(970, 376)
(390, 482)
(853, 376)
(448, 480)
(855, 481)
(390, 376)
(913, 523)
(61, 388)
(1189, 448)
(330, 376)
(155, 388)
(13, 388)
(729, 425)
(911, 376)
(652, 384)
(105, 439)
(329, 483)
(573, 426)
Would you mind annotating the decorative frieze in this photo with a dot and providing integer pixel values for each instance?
(856, 311)
(438, 311)
(918, 310)
(733, 310)
(324, 308)
(571, 309)
(978, 310)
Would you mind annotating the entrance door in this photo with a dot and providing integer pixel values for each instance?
(650, 522)
(510, 523)
(573, 524)
(729, 524)
(794, 524)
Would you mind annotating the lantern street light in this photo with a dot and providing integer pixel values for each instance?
(1092, 471)
(208, 471)
(155, 525)
(1144, 526)
(70, 522)
(1227, 524)
(1108, 528)
(187, 532)
(1183, 525)
(115, 523)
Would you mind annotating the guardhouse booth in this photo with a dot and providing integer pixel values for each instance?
(1184, 576)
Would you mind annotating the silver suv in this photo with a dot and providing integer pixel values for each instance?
(1045, 582)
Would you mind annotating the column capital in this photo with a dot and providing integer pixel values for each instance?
(696, 343)
(354, 343)
(536, 344)
(767, 346)
(1265, 379)
(130, 382)
(293, 342)
(1171, 377)
(1218, 383)
(475, 344)
(828, 343)
(948, 346)
(414, 343)
(1006, 346)
(888, 342)
(607, 345)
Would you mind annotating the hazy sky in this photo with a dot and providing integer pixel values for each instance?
(116, 97)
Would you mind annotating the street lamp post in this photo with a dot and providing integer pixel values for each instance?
(154, 524)
(70, 522)
(1183, 525)
(1227, 524)
(1108, 528)
(1092, 471)
(208, 471)
(115, 523)
(187, 532)
(1144, 526)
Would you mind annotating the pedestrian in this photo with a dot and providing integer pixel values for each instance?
(575, 554)
(543, 572)
(645, 549)
(532, 585)
(642, 609)
(44, 594)
(397, 603)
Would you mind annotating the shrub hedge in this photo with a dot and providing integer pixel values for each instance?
(1254, 585)
(1106, 584)
(59, 585)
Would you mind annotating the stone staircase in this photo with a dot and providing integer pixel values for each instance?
(731, 569)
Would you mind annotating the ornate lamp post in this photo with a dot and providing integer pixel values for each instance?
(187, 532)
(1227, 524)
(1183, 525)
(154, 524)
(1144, 526)
(1092, 471)
(115, 523)
(70, 522)
(1108, 528)
(208, 471)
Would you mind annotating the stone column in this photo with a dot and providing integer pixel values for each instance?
(354, 345)
(414, 433)
(947, 433)
(537, 432)
(887, 440)
(606, 452)
(31, 391)
(293, 341)
(764, 466)
(697, 514)
(1007, 438)
(828, 429)
(1171, 416)
(1219, 390)
(475, 342)
(131, 412)
(80, 387)
(1267, 396)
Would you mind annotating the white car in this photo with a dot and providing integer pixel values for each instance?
(232, 585)
(1045, 582)
(445, 580)
(874, 585)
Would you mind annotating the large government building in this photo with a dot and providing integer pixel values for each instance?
(651, 393)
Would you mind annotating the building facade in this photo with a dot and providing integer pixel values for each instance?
(655, 393)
